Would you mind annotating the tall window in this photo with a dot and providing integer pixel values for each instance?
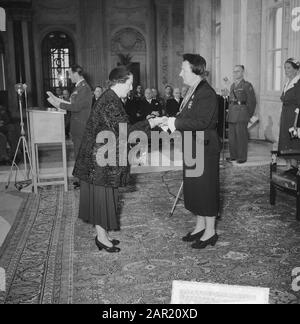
(276, 45)
(58, 56)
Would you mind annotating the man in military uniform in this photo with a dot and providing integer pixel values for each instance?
(79, 106)
(242, 103)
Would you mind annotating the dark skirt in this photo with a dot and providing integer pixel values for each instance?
(286, 143)
(99, 206)
(202, 194)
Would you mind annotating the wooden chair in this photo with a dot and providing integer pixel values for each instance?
(285, 182)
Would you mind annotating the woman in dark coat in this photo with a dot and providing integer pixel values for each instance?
(291, 101)
(99, 184)
(199, 112)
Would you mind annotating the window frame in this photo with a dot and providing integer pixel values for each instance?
(268, 50)
(47, 67)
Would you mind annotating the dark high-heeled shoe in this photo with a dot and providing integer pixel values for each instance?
(115, 242)
(191, 238)
(101, 247)
(201, 245)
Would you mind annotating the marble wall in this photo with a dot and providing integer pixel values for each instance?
(155, 33)
(151, 32)
(198, 28)
(270, 100)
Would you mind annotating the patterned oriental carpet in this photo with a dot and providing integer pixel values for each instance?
(50, 256)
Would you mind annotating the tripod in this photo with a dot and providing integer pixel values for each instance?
(22, 143)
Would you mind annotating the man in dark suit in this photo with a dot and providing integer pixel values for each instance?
(79, 106)
(131, 106)
(242, 103)
(149, 106)
(173, 105)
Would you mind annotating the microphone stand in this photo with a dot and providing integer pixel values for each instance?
(21, 144)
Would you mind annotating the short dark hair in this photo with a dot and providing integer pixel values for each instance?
(197, 62)
(77, 68)
(119, 74)
(294, 63)
(241, 66)
(169, 86)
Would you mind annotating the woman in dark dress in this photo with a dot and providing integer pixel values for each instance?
(99, 184)
(199, 112)
(291, 101)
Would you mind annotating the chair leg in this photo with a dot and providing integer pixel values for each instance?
(272, 194)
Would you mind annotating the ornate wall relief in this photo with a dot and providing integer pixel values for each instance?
(128, 40)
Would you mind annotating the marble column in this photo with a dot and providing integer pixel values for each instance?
(29, 63)
(163, 23)
(294, 32)
(152, 49)
(93, 46)
(198, 28)
(11, 69)
(19, 49)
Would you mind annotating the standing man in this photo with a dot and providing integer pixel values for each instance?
(173, 105)
(79, 106)
(242, 103)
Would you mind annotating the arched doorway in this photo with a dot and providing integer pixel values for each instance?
(130, 43)
(58, 55)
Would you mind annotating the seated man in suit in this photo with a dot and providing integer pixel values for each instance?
(149, 106)
(8, 135)
(131, 106)
(173, 105)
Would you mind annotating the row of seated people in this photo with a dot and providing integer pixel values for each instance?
(141, 107)
(141, 104)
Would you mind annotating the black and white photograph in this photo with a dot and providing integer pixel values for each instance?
(149, 154)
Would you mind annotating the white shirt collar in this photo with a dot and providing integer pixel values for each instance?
(290, 85)
(77, 84)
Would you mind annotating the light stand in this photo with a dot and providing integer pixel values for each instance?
(20, 89)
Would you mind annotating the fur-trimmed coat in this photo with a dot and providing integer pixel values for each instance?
(107, 113)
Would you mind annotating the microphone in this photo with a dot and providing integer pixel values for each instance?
(19, 89)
